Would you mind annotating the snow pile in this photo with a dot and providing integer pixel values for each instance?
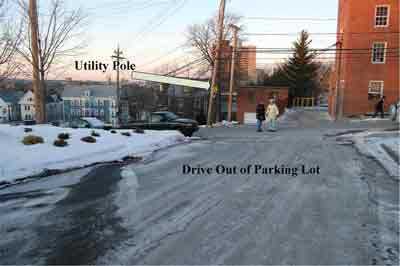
(379, 146)
(19, 161)
(286, 115)
(225, 123)
(376, 119)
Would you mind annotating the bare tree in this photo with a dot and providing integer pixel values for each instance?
(60, 36)
(10, 39)
(201, 37)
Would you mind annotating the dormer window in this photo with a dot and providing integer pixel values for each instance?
(87, 93)
(382, 16)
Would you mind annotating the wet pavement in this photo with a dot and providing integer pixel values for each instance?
(156, 215)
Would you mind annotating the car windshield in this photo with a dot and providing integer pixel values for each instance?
(171, 116)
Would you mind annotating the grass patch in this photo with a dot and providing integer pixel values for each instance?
(88, 139)
(60, 143)
(95, 134)
(32, 140)
(64, 136)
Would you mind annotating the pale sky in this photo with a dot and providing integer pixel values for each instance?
(148, 29)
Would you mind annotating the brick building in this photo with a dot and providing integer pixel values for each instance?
(250, 96)
(368, 33)
(245, 70)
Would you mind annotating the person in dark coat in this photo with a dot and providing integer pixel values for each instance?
(380, 107)
(260, 113)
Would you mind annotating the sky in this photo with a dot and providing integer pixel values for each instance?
(149, 29)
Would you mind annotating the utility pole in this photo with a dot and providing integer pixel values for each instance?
(118, 55)
(233, 64)
(37, 88)
(213, 89)
(339, 92)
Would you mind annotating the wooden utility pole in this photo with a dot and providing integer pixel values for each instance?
(118, 55)
(213, 89)
(233, 66)
(339, 92)
(37, 88)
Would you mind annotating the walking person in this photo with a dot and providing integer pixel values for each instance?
(272, 115)
(260, 114)
(380, 107)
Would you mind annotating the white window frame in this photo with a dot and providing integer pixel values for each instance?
(373, 52)
(376, 81)
(388, 16)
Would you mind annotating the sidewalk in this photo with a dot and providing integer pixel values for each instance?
(383, 146)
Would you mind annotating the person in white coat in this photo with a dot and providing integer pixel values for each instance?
(272, 115)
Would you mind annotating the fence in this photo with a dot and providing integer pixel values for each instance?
(303, 102)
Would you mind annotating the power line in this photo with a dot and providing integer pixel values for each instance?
(172, 51)
(185, 66)
(290, 19)
(318, 33)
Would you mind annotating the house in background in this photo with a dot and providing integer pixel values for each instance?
(90, 101)
(4, 111)
(368, 67)
(54, 108)
(9, 105)
(27, 106)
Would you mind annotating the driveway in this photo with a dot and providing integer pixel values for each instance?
(344, 213)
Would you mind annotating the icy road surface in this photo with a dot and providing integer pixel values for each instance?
(150, 213)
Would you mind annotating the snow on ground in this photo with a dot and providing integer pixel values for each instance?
(19, 161)
(225, 123)
(369, 119)
(377, 145)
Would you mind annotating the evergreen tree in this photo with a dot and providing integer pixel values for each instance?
(277, 77)
(300, 69)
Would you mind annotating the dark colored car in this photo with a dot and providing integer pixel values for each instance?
(166, 121)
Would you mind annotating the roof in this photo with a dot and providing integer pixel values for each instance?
(11, 96)
(95, 91)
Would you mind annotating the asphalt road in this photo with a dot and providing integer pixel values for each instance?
(346, 214)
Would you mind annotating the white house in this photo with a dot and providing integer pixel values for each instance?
(27, 106)
(4, 111)
(9, 106)
(90, 101)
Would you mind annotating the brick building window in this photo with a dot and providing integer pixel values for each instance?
(382, 16)
(376, 87)
(379, 52)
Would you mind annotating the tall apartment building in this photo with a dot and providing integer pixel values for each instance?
(367, 66)
(245, 69)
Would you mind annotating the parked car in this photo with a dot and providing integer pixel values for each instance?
(87, 122)
(165, 121)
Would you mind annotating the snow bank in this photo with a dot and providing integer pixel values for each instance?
(225, 123)
(376, 144)
(19, 161)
